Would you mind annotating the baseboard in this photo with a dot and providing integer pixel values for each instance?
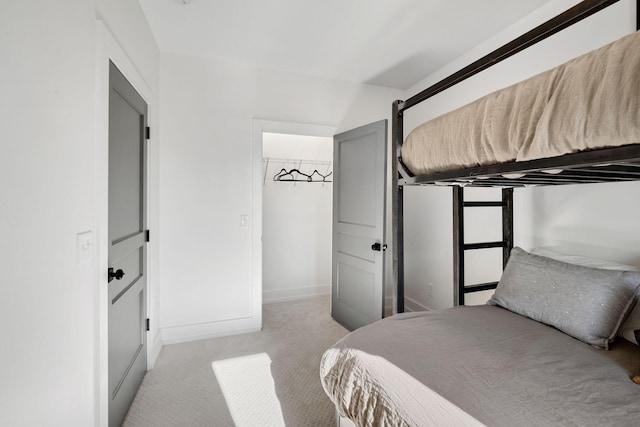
(413, 305)
(292, 294)
(154, 351)
(204, 331)
(388, 306)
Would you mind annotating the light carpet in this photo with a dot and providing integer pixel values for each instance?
(249, 390)
(182, 389)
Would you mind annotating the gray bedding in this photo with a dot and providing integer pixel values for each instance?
(479, 365)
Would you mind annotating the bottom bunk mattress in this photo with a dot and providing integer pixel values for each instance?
(479, 365)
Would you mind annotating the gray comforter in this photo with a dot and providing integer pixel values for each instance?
(479, 365)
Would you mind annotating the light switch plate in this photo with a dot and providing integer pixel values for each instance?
(244, 220)
(84, 247)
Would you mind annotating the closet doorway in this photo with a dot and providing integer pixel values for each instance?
(296, 216)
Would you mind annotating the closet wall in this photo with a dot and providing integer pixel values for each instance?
(296, 225)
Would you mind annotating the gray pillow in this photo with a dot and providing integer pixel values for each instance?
(630, 329)
(587, 303)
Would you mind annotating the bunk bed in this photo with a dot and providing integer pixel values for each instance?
(530, 356)
(546, 145)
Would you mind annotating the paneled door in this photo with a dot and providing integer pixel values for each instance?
(127, 245)
(359, 206)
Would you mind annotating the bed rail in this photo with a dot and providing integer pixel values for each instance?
(586, 167)
(571, 16)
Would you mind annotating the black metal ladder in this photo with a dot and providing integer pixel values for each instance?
(459, 245)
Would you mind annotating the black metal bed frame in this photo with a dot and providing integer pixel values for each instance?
(596, 166)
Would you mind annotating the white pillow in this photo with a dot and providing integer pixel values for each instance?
(630, 329)
(584, 261)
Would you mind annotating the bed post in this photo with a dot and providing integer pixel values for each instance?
(397, 203)
(507, 224)
(458, 245)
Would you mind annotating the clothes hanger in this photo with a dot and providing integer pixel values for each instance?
(324, 177)
(284, 173)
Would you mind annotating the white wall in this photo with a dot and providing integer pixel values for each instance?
(207, 111)
(46, 197)
(296, 219)
(595, 220)
(48, 179)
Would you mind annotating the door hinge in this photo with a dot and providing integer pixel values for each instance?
(148, 235)
(148, 325)
(147, 132)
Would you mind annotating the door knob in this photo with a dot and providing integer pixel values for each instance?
(378, 247)
(118, 274)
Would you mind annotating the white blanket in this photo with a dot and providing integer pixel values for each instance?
(371, 391)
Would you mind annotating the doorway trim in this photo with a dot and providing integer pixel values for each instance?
(259, 128)
(108, 49)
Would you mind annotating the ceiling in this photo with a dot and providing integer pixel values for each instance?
(392, 43)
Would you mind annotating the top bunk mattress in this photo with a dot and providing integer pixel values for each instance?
(590, 102)
(478, 365)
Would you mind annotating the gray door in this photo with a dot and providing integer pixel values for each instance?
(359, 205)
(127, 244)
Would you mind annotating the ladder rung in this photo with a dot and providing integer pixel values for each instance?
(482, 204)
(485, 245)
(480, 287)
